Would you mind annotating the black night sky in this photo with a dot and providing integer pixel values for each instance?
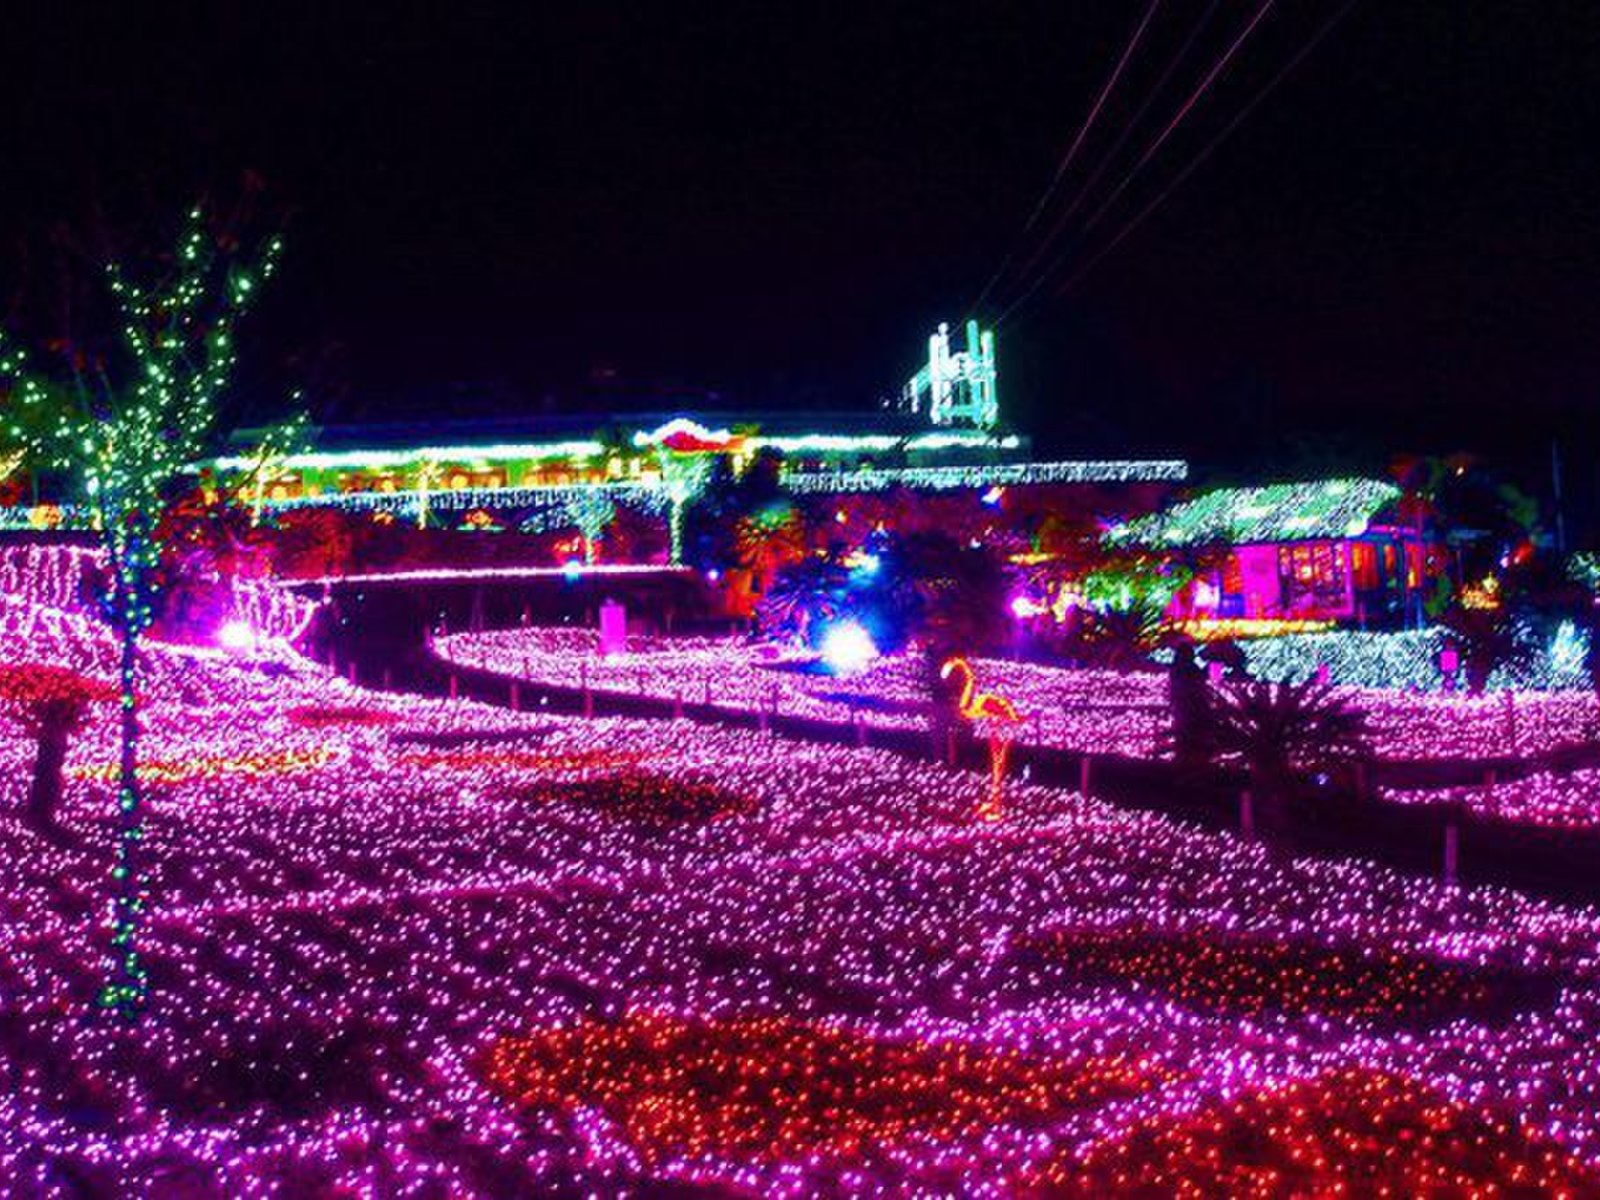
(490, 208)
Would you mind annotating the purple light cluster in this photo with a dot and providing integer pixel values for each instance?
(1506, 724)
(354, 894)
(1100, 711)
(1103, 712)
(1568, 800)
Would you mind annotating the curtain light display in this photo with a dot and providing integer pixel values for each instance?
(551, 506)
(984, 477)
(545, 508)
(48, 577)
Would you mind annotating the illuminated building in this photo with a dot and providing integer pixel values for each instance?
(960, 388)
(947, 434)
(1324, 550)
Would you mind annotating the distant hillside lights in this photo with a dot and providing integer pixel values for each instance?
(957, 388)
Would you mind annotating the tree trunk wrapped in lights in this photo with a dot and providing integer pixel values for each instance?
(129, 439)
(684, 477)
(590, 512)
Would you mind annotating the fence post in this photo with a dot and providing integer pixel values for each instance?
(861, 731)
(1085, 774)
(388, 678)
(454, 687)
(516, 697)
(1452, 852)
(1247, 815)
(677, 705)
(950, 748)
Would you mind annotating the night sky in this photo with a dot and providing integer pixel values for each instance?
(520, 209)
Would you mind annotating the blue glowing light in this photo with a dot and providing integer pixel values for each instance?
(847, 648)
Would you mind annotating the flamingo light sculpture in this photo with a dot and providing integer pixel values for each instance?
(998, 715)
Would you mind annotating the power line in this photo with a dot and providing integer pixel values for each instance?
(1183, 112)
(1206, 150)
(1038, 279)
(1072, 151)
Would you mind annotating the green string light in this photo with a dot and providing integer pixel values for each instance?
(1327, 508)
(127, 443)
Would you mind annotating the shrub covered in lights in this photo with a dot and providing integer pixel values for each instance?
(1412, 659)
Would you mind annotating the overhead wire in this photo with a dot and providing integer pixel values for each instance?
(1066, 160)
(1041, 277)
(1065, 257)
(1183, 112)
(1211, 145)
(1029, 272)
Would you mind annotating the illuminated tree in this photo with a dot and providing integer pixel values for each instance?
(769, 539)
(804, 596)
(272, 446)
(684, 477)
(129, 439)
(590, 511)
(429, 473)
